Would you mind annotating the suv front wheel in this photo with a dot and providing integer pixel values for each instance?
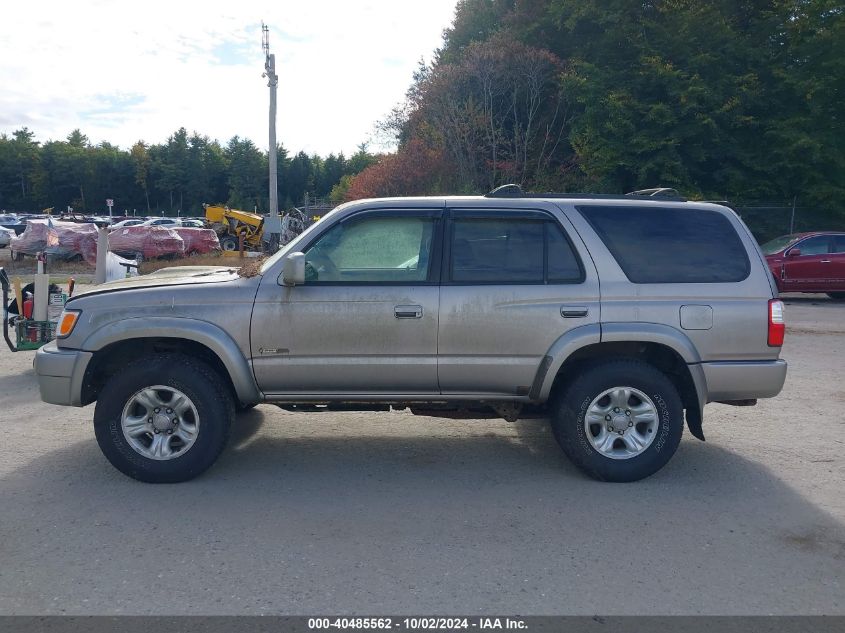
(619, 420)
(164, 418)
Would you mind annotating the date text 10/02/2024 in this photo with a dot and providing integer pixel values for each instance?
(417, 623)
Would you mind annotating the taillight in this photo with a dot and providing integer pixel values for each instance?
(777, 325)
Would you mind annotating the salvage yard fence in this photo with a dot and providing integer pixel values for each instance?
(768, 220)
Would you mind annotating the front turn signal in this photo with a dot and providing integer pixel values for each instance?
(67, 320)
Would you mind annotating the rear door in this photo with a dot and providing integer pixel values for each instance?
(836, 278)
(513, 283)
(810, 269)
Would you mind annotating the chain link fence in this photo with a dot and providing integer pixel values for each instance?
(768, 220)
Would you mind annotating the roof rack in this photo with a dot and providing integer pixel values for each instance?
(515, 191)
(656, 192)
(506, 191)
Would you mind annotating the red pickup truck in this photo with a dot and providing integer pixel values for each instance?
(808, 262)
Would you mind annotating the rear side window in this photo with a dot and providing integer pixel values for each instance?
(512, 250)
(655, 245)
(839, 243)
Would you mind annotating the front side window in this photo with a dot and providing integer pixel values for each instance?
(511, 250)
(375, 249)
(814, 246)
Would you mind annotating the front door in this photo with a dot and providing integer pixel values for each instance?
(365, 321)
(513, 283)
(807, 271)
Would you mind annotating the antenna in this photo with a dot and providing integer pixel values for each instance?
(265, 44)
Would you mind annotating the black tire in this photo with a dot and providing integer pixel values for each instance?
(206, 390)
(229, 243)
(570, 409)
(837, 296)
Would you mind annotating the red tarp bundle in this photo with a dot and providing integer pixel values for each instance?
(198, 241)
(69, 240)
(147, 241)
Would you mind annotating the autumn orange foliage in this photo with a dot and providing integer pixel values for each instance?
(415, 169)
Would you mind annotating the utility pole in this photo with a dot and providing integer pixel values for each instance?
(272, 225)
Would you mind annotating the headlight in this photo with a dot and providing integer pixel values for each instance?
(67, 319)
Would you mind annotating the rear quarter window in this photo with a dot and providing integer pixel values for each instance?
(670, 245)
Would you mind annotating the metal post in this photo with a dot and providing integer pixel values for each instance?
(102, 255)
(792, 220)
(272, 226)
(42, 289)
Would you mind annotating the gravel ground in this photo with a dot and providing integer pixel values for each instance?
(391, 513)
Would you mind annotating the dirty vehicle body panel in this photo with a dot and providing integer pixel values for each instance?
(462, 307)
(158, 311)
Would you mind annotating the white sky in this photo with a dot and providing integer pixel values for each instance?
(140, 69)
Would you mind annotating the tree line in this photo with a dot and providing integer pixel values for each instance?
(718, 99)
(176, 176)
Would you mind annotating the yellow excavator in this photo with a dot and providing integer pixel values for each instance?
(232, 224)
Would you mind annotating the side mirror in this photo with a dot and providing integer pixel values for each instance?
(293, 269)
(795, 252)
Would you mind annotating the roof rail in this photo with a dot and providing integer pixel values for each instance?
(515, 191)
(656, 192)
(506, 191)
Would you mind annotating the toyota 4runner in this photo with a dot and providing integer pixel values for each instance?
(615, 317)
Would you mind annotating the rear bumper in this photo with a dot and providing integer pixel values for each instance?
(60, 374)
(744, 380)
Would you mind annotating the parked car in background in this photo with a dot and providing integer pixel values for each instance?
(131, 222)
(76, 240)
(13, 222)
(808, 262)
(191, 222)
(197, 241)
(6, 236)
(160, 222)
(146, 242)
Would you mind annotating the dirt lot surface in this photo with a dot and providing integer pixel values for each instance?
(391, 513)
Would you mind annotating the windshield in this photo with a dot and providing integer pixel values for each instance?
(778, 244)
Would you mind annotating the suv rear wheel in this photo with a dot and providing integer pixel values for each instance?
(164, 418)
(619, 421)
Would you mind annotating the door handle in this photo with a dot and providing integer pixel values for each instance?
(408, 312)
(574, 312)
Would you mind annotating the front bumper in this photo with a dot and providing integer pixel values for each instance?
(60, 374)
(744, 380)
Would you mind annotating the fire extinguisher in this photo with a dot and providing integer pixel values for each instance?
(31, 332)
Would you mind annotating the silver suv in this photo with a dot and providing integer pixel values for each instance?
(610, 315)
